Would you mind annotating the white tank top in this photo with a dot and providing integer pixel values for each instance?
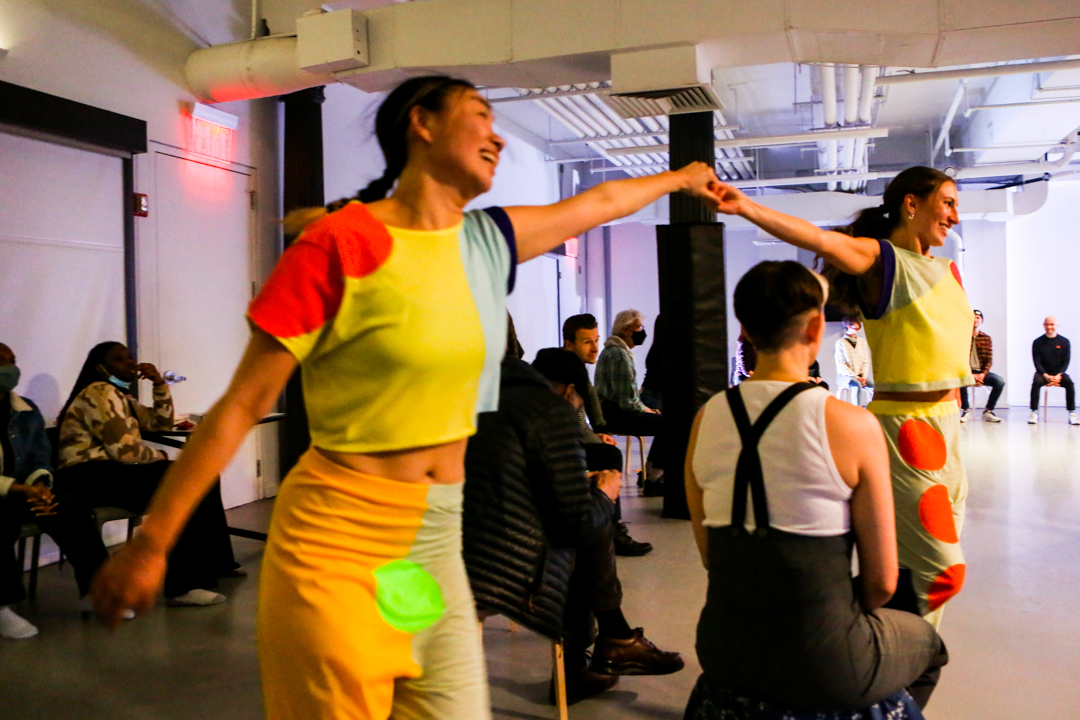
(806, 494)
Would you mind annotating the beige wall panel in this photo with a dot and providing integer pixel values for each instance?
(911, 50)
(1034, 40)
(657, 22)
(908, 16)
(545, 28)
(970, 14)
(458, 32)
(744, 50)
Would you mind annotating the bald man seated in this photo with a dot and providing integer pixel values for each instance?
(1050, 352)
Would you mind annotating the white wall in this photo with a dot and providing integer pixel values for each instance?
(634, 282)
(985, 279)
(1042, 257)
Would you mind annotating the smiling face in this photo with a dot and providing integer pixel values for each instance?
(119, 363)
(1050, 326)
(586, 344)
(461, 145)
(934, 215)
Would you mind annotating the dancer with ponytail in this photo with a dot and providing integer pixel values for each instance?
(917, 325)
(395, 310)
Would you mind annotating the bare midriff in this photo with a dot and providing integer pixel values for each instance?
(929, 396)
(432, 465)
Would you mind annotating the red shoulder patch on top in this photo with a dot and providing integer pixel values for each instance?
(305, 289)
(956, 273)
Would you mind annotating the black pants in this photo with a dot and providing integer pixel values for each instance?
(631, 422)
(72, 528)
(1066, 382)
(992, 381)
(601, 456)
(594, 586)
(203, 552)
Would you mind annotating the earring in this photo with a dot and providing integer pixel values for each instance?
(911, 216)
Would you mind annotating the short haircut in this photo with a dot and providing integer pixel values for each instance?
(770, 297)
(574, 323)
(624, 319)
(849, 321)
(979, 313)
(562, 366)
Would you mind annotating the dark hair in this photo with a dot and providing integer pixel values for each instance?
(562, 366)
(89, 372)
(513, 347)
(574, 323)
(770, 296)
(391, 130)
(879, 223)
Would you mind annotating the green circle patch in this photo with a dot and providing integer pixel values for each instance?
(407, 596)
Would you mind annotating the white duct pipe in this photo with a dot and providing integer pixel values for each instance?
(847, 159)
(946, 127)
(992, 71)
(248, 70)
(851, 94)
(1033, 168)
(866, 94)
(828, 94)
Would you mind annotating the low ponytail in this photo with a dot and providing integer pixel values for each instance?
(879, 223)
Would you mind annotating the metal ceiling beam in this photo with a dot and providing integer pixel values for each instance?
(629, 136)
(993, 71)
(767, 141)
(1033, 103)
(549, 95)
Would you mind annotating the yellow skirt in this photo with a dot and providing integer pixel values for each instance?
(365, 610)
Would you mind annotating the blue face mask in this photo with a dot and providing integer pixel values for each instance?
(9, 377)
(123, 385)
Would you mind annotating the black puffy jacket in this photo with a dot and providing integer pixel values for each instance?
(528, 502)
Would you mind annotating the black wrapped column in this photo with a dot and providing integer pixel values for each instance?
(693, 301)
(302, 186)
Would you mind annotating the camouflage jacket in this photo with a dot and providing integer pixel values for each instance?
(104, 423)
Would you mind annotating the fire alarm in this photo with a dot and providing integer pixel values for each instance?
(142, 205)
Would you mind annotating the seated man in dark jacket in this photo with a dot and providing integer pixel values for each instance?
(529, 501)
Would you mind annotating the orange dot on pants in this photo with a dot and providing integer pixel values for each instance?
(936, 514)
(921, 446)
(945, 585)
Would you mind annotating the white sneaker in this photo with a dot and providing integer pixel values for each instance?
(989, 416)
(1033, 418)
(196, 598)
(15, 627)
(1073, 420)
(964, 416)
(86, 607)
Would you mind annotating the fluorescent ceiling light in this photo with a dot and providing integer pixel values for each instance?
(214, 116)
(767, 141)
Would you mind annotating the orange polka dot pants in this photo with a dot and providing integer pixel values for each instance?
(929, 492)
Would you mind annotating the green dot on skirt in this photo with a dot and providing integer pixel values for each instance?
(407, 596)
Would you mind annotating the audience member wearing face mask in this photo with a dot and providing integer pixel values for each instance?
(26, 496)
(104, 461)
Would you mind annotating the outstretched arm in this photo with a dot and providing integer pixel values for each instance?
(695, 499)
(540, 228)
(132, 578)
(852, 255)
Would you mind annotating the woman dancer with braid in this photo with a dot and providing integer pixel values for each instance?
(917, 324)
(395, 310)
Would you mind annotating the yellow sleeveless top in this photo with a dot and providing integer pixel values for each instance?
(920, 332)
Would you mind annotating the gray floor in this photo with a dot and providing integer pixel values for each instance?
(1012, 632)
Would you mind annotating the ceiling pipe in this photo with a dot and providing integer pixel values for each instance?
(828, 109)
(771, 140)
(992, 71)
(1032, 103)
(1041, 167)
(866, 94)
(852, 80)
(250, 69)
(946, 127)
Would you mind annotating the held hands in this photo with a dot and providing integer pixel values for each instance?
(979, 377)
(130, 580)
(149, 372)
(40, 498)
(1052, 380)
(607, 439)
(608, 482)
(700, 181)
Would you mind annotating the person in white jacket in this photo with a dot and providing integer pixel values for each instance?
(853, 364)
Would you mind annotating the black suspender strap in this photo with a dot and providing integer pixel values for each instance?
(748, 472)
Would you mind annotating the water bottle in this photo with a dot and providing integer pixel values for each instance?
(172, 378)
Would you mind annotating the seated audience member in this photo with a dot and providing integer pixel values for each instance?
(781, 481)
(815, 376)
(26, 496)
(525, 472)
(1050, 352)
(982, 357)
(853, 364)
(104, 461)
(581, 336)
(745, 359)
(652, 387)
(616, 384)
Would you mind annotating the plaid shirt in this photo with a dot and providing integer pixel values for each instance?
(616, 376)
(984, 348)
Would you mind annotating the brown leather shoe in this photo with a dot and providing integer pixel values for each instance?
(634, 656)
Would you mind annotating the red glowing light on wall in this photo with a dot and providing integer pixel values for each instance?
(210, 139)
(571, 247)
